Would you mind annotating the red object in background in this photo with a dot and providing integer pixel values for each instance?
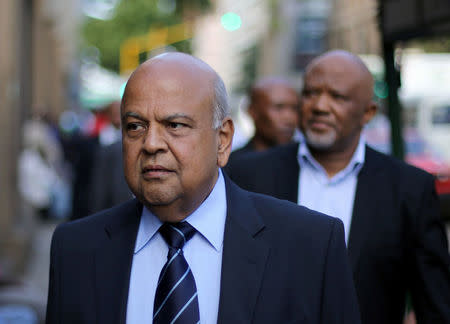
(443, 185)
(417, 154)
(99, 121)
(438, 168)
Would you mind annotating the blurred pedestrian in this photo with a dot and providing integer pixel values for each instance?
(107, 186)
(396, 241)
(84, 149)
(43, 174)
(273, 107)
(111, 132)
(193, 247)
(80, 151)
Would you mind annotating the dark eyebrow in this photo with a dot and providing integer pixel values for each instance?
(168, 118)
(179, 115)
(132, 114)
(338, 92)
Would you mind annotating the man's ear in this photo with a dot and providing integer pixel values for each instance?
(370, 111)
(226, 133)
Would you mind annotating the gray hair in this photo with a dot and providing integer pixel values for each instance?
(221, 109)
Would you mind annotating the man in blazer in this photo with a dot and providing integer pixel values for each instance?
(193, 247)
(396, 242)
(108, 186)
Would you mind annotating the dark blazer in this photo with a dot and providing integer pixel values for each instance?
(396, 241)
(108, 186)
(79, 151)
(247, 148)
(281, 264)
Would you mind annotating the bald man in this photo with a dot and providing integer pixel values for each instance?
(396, 241)
(193, 247)
(273, 107)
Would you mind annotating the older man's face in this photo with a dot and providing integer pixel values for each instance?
(171, 151)
(335, 104)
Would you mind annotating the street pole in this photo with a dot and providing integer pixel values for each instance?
(392, 78)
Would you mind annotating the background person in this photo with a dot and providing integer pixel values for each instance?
(273, 108)
(108, 186)
(396, 241)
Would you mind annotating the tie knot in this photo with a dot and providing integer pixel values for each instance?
(177, 234)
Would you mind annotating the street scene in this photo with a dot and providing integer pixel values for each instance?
(329, 81)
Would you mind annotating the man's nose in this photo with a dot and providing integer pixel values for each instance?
(155, 141)
(322, 103)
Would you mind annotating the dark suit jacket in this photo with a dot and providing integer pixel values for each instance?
(247, 148)
(108, 186)
(281, 264)
(79, 151)
(396, 241)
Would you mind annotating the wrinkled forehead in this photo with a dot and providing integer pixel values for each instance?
(171, 76)
(281, 93)
(334, 67)
(169, 81)
(273, 90)
(338, 73)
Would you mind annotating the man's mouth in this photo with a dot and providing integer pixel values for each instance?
(321, 126)
(155, 171)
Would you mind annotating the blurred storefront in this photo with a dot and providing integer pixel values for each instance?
(353, 26)
(14, 89)
(38, 42)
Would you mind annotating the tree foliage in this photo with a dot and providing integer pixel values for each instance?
(134, 18)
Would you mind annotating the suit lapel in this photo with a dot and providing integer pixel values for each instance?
(286, 184)
(365, 207)
(113, 265)
(244, 258)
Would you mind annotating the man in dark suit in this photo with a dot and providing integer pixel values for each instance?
(273, 107)
(396, 241)
(108, 186)
(193, 246)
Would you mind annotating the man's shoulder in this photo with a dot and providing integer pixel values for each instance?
(247, 148)
(286, 216)
(261, 160)
(395, 167)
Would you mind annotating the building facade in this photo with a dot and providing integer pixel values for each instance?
(38, 43)
(353, 26)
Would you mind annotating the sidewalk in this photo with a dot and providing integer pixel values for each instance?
(36, 273)
(25, 302)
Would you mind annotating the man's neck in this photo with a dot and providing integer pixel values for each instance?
(259, 144)
(333, 161)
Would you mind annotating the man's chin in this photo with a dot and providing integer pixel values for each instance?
(320, 142)
(156, 199)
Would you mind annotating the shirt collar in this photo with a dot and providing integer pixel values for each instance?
(305, 157)
(208, 219)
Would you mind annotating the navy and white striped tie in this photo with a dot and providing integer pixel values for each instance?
(176, 298)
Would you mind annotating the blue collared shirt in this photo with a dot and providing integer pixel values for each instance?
(203, 253)
(333, 196)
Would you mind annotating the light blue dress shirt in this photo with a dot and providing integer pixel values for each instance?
(332, 196)
(203, 253)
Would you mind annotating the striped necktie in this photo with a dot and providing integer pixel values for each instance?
(176, 298)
